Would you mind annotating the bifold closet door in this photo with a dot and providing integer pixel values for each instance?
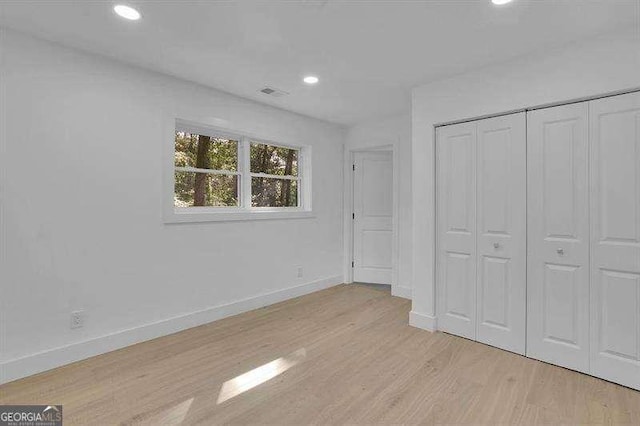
(615, 238)
(481, 247)
(501, 232)
(558, 236)
(456, 217)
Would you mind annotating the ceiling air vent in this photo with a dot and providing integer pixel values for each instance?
(271, 91)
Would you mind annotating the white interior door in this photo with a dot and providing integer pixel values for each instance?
(615, 238)
(373, 217)
(558, 236)
(456, 219)
(501, 232)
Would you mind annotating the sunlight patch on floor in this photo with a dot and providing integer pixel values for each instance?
(257, 376)
(174, 416)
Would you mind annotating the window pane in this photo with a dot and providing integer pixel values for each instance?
(204, 189)
(274, 160)
(205, 152)
(271, 192)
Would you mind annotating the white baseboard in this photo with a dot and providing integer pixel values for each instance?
(425, 322)
(46, 360)
(398, 291)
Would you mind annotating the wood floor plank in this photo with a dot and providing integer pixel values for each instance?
(344, 355)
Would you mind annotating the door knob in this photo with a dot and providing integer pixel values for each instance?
(496, 246)
(560, 252)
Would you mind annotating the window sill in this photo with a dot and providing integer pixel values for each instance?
(194, 215)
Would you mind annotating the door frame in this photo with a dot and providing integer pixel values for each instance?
(349, 193)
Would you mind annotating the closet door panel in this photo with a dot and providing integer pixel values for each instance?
(501, 228)
(615, 238)
(558, 236)
(456, 201)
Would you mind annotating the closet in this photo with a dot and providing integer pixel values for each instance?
(538, 234)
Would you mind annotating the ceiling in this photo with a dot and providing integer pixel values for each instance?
(368, 54)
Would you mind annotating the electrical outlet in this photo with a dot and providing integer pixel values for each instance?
(77, 319)
(300, 272)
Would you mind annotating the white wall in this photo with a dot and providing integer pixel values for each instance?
(604, 64)
(82, 219)
(394, 131)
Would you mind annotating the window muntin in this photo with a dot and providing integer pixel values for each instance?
(216, 170)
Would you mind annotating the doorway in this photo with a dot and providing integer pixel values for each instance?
(373, 224)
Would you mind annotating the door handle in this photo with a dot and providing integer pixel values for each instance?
(560, 252)
(496, 246)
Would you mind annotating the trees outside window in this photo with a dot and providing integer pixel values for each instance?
(210, 171)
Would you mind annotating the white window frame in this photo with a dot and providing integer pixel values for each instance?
(244, 210)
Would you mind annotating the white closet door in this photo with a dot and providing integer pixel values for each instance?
(558, 236)
(501, 230)
(456, 218)
(615, 238)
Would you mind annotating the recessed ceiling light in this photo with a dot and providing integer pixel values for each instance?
(310, 79)
(126, 12)
(500, 2)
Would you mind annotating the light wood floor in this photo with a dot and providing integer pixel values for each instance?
(342, 355)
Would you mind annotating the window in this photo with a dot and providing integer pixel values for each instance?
(274, 176)
(223, 176)
(206, 171)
